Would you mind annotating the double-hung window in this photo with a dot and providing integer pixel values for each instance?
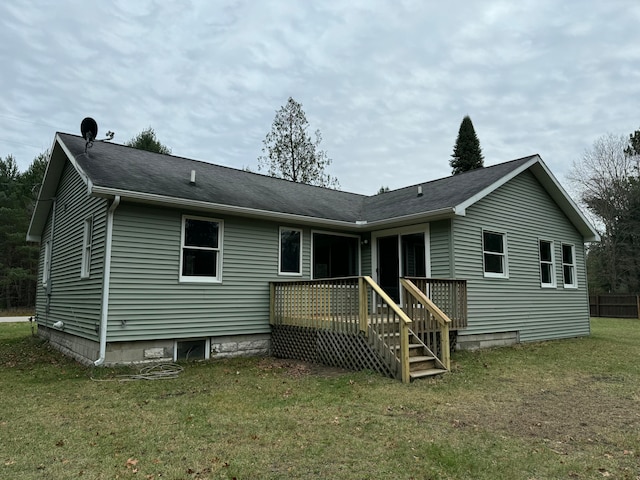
(494, 250)
(201, 256)
(569, 266)
(290, 261)
(85, 268)
(547, 267)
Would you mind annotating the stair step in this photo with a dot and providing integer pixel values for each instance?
(421, 362)
(426, 373)
(421, 358)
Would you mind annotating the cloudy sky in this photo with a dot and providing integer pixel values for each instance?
(386, 82)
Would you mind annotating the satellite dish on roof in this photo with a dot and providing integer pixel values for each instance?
(89, 130)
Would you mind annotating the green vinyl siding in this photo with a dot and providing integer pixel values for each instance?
(147, 300)
(522, 211)
(365, 255)
(440, 249)
(73, 300)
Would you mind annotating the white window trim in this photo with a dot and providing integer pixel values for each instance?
(46, 268)
(289, 229)
(505, 256)
(572, 265)
(329, 232)
(207, 347)
(194, 279)
(553, 283)
(87, 247)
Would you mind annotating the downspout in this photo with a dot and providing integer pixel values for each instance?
(105, 282)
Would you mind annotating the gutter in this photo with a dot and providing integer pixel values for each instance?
(362, 225)
(105, 283)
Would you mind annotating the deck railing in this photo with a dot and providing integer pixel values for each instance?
(449, 295)
(356, 305)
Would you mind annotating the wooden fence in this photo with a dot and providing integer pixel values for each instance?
(614, 305)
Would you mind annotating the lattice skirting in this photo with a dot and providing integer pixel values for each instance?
(342, 350)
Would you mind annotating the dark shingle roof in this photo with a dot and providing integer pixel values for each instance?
(437, 194)
(122, 168)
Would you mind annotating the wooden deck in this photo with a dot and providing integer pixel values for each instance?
(338, 322)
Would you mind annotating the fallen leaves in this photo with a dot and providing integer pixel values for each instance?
(131, 464)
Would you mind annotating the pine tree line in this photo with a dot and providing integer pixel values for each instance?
(18, 259)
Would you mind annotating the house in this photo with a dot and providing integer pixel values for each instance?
(155, 257)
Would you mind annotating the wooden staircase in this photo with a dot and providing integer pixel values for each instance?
(422, 361)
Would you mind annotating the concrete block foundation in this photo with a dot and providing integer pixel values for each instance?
(87, 351)
(486, 340)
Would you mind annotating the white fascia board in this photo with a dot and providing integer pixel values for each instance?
(553, 188)
(72, 159)
(254, 212)
(47, 190)
(461, 208)
(218, 207)
(412, 218)
(566, 203)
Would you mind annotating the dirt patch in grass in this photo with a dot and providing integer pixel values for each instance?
(568, 416)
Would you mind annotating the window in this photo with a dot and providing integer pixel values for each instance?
(290, 251)
(569, 266)
(46, 268)
(335, 255)
(547, 268)
(191, 349)
(85, 268)
(494, 253)
(201, 258)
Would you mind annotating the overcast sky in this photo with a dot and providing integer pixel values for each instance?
(386, 82)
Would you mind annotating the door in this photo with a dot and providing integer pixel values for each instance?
(398, 256)
(389, 266)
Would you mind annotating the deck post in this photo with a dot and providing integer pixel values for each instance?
(272, 303)
(363, 310)
(404, 351)
(445, 347)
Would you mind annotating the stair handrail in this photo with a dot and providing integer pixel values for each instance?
(438, 315)
(426, 302)
(405, 322)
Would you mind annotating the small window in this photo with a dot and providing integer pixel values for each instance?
(46, 268)
(569, 266)
(547, 267)
(201, 257)
(192, 349)
(494, 254)
(290, 251)
(85, 269)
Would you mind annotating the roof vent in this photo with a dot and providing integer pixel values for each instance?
(419, 190)
(192, 180)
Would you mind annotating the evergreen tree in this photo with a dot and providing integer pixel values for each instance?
(18, 259)
(146, 140)
(290, 153)
(467, 154)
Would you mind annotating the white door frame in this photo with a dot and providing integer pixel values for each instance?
(421, 228)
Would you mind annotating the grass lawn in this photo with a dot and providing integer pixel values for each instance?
(564, 409)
